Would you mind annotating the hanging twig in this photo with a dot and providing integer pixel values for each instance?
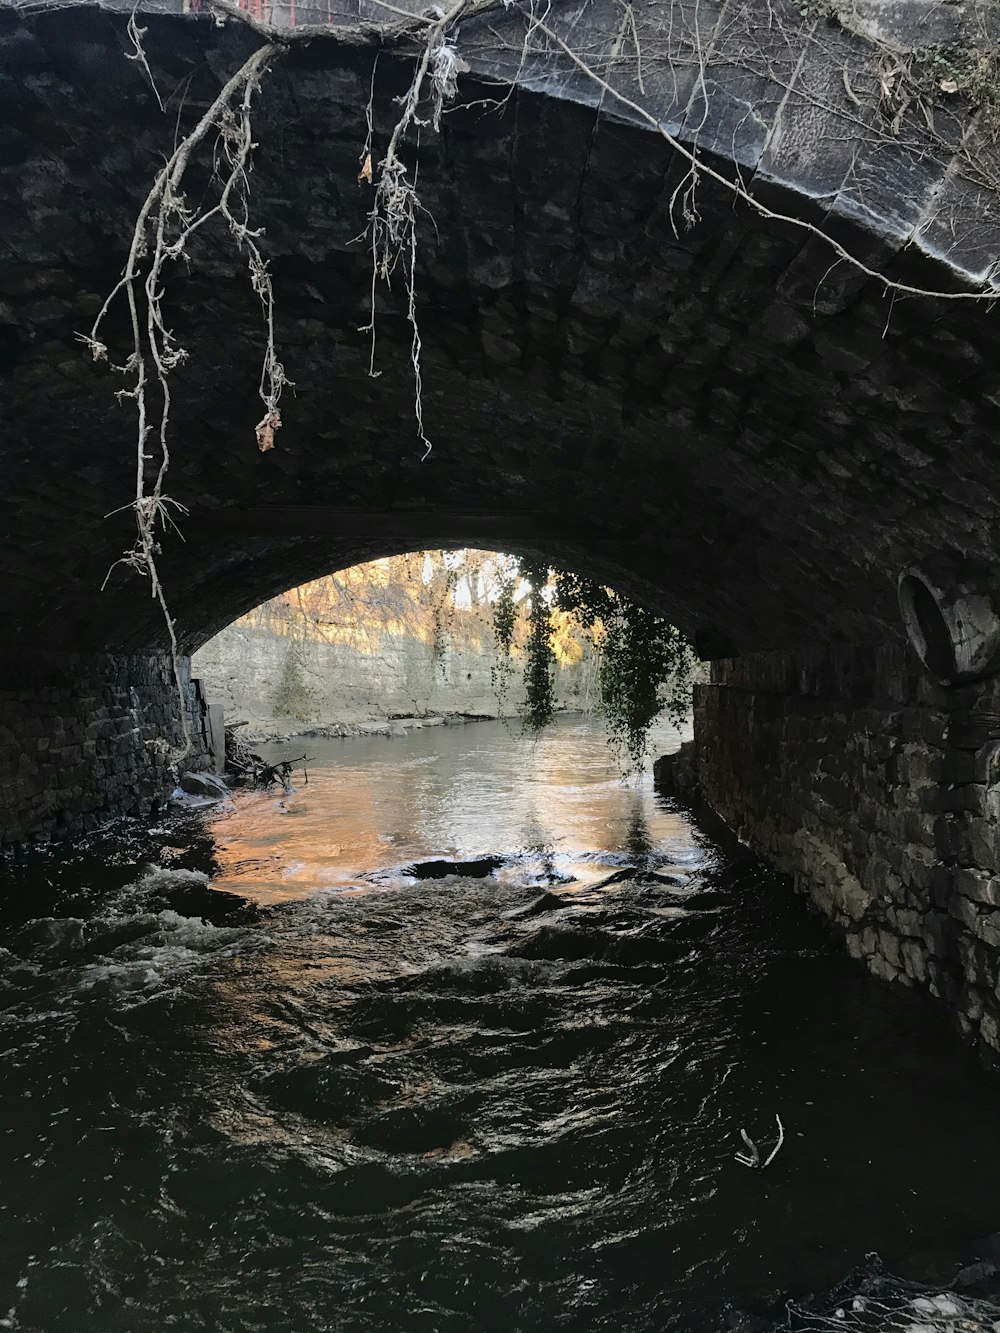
(135, 35)
(736, 187)
(392, 222)
(162, 230)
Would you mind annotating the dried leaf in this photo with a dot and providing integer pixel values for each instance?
(265, 428)
(365, 174)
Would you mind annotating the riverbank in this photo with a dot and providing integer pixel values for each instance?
(268, 731)
(282, 686)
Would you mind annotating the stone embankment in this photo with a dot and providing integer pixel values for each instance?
(879, 792)
(283, 686)
(677, 773)
(83, 738)
(395, 726)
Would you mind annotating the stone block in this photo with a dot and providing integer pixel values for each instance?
(888, 945)
(939, 934)
(971, 1003)
(907, 921)
(974, 732)
(979, 885)
(989, 1030)
(854, 946)
(982, 844)
(914, 960)
(986, 763)
(883, 969)
(948, 837)
(965, 911)
(987, 929)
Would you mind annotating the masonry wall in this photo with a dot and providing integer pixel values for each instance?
(878, 792)
(81, 740)
(400, 675)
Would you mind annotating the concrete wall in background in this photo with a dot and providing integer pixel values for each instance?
(249, 669)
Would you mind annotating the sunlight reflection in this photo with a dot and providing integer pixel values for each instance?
(454, 793)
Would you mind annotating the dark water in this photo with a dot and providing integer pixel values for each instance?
(403, 1104)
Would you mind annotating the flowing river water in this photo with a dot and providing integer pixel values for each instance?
(372, 1094)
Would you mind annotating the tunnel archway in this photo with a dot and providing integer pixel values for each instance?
(717, 421)
(396, 640)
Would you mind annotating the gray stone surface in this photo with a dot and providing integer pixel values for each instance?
(839, 767)
(204, 784)
(393, 675)
(82, 738)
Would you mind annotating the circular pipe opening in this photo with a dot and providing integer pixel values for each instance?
(926, 626)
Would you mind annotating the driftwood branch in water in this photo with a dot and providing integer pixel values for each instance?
(280, 772)
(752, 1157)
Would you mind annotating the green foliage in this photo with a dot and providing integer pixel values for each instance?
(645, 664)
(539, 687)
(293, 696)
(505, 615)
(442, 613)
(504, 624)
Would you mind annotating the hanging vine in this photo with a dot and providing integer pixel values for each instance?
(442, 609)
(645, 667)
(645, 664)
(539, 687)
(163, 228)
(504, 625)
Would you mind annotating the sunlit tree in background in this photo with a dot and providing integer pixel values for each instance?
(533, 618)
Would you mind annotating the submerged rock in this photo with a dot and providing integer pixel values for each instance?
(189, 893)
(204, 784)
(59, 937)
(478, 869)
(548, 902)
(706, 901)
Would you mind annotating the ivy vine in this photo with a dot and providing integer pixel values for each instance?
(504, 625)
(645, 664)
(442, 611)
(539, 686)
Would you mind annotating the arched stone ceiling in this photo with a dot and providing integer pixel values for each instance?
(717, 420)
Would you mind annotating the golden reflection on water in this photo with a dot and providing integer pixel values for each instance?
(372, 804)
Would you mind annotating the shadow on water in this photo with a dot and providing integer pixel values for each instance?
(471, 1051)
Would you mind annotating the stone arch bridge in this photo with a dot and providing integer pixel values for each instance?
(725, 419)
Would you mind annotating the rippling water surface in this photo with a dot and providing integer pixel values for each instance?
(378, 1095)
